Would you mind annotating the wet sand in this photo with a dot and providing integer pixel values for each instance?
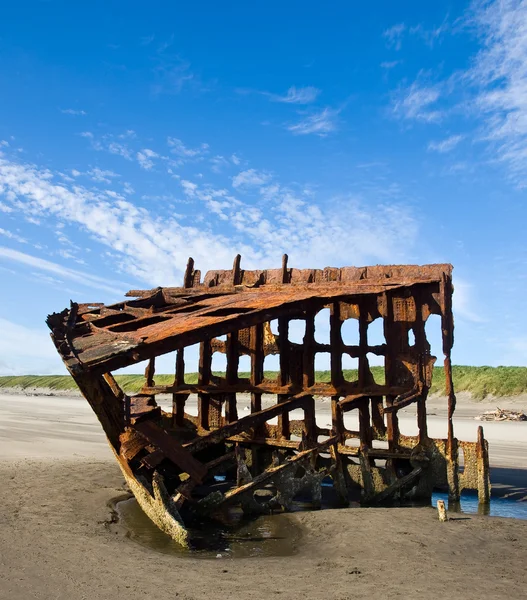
(57, 539)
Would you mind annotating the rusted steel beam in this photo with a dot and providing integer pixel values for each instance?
(245, 423)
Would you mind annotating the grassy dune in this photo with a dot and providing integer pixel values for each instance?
(479, 381)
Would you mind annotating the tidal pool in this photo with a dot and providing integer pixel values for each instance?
(237, 537)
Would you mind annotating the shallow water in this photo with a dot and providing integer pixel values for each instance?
(269, 535)
(498, 507)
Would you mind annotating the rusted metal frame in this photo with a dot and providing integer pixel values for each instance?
(374, 452)
(392, 421)
(348, 288)
(335, 338)
(396, 486)
(272, 471)
(319, 389)
(191, 337)
(365, 379)
(179, 400)
(245, 423)
(172, 449)
(284, 375)
(257, 364)
(308, 376)
(404, 400)
(157, 344)
(482, 457)
(337, 419)
(264, 441)
(308, 357)
(423, 347)
(233, 358)
(204, 375)
(447, 331)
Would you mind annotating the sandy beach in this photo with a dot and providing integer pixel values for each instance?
(58, 539)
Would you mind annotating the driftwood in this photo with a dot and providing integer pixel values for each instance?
(502, 415)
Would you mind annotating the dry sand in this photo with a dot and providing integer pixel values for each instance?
(57, 540)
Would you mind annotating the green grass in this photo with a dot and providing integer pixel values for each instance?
(479, 381)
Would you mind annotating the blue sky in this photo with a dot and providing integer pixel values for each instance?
(133, 136)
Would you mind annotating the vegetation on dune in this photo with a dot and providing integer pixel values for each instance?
(479, 381)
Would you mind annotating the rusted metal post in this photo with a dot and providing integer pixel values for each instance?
(179, 400)
(285, 373)
(205, 363)
(482, 453)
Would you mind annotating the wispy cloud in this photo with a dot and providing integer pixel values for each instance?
(394, 35)
(178, 148)
(446, 145)
(145, 158)
(500, 74)
(390, 64)
(42, 264)
(99, 175)
(11, 235)
(73, 111)
(320, 123)
(294, 95)
(430, 35)
(250, 177)
(416, 102)
(154, 248)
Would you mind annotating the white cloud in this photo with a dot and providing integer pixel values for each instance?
(144, 158)
(91, 281)
(294, 95)
(73, 111)
(320, 123)
(119, 149)
(416, 103)
(26, 351)
(250, 177)
(99, 175)
(446, 145)
(179, 148)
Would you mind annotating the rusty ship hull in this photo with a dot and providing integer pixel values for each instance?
(172, 460)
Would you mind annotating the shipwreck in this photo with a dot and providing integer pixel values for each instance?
(179, 465)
